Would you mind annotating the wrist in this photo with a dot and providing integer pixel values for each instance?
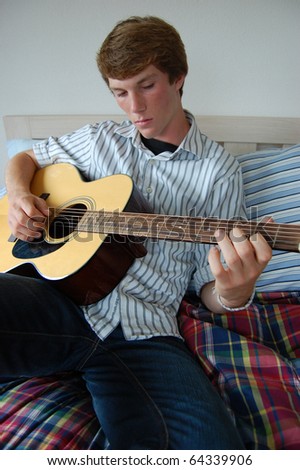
(237, 306)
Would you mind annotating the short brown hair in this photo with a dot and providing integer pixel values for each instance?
(137, 42)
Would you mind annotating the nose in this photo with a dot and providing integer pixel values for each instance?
(137, 103)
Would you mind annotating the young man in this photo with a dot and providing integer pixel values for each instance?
(148, 392)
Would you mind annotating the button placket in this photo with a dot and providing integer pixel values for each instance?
(148, 187)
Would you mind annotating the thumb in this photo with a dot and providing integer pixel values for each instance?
(214, 259)
(41, 205)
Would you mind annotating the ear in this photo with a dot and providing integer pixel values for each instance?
(179, 82)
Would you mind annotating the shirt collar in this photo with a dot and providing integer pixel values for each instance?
(192, 143)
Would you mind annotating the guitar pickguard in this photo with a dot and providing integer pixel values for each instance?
(24, 250)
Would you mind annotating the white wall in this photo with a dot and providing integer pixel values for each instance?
(244, 55)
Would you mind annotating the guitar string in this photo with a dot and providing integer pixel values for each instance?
(181, 223)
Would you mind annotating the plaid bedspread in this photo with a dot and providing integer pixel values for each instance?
(46, 413)
(253, 359)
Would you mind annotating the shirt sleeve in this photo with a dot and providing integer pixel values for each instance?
(75, 148)
(226, 202)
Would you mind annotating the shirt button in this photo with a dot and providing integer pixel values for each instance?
(149, 190)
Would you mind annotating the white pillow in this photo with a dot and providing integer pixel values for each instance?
(15, 146)
(272, 188)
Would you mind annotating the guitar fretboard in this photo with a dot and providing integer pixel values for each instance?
(186, 229)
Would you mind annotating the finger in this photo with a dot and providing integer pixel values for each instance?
(242, 245)
(35, 226)
(23, 237)
(228, 284)
(42, 207)
(26, 233)
(263, 251)
(254, 252)
(267, 219)
(35, 216)
(36, 209)
(22, 227)
(214, 259)
(227, 247)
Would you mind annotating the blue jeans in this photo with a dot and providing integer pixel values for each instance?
(147, 394)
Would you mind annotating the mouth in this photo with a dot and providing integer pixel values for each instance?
(142, 122)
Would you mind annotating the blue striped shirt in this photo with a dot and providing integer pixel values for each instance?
(199, 179)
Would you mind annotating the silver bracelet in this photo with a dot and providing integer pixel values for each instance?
(236, 309)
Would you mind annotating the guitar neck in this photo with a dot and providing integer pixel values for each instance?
(187, 229)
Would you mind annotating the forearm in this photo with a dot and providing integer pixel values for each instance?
(19, 173)
(27, 212)
(209, 298)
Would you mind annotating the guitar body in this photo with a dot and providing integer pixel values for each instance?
(86, 266)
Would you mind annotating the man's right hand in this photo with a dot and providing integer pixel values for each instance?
(27, 215)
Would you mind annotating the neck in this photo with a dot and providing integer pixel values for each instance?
(176, 129)
(180, 129)
(188, 229)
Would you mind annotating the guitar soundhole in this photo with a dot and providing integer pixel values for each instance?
(61, 227)
(66, 221)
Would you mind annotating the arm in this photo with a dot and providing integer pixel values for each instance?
(245, 260)
(24, 207)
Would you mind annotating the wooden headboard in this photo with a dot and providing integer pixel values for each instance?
(238, 134)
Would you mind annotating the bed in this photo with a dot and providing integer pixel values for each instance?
(253, 359)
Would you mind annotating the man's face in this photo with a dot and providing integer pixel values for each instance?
(151, 103)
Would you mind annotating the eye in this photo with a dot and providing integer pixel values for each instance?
(149, 86)
(119, 93)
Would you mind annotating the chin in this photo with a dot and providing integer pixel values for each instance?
(148, 135)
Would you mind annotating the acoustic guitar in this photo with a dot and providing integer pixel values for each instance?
(96, 230)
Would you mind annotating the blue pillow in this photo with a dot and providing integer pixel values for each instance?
(272, 188)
